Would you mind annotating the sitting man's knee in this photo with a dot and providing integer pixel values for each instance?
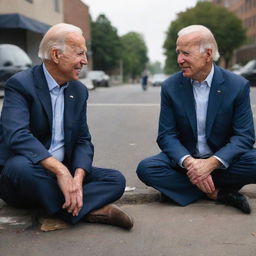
(17, 165)
(142, 168)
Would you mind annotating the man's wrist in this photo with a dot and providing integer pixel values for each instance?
(81, 173)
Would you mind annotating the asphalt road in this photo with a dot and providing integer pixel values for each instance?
(123, 121)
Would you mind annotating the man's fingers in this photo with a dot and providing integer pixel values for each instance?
(211, 183)
(79, 205)
(67, 200)
(73, 202)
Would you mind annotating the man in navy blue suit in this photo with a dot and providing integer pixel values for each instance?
(46, 150)
(206, 131)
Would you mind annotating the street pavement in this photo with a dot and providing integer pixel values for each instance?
(123, 123)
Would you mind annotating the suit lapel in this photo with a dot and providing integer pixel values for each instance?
(215, 98)
(43, 92)
(70, 98)
(189, 104)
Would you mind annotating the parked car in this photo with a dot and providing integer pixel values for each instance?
(99, 78)
(157, 79)
(12, 60)
(249, 71)
(88, 83)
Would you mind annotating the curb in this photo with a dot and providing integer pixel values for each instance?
(149, 195)
(140, 196)
(22, 219)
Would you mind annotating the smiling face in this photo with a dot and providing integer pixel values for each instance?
(193, 63)
(69, 63)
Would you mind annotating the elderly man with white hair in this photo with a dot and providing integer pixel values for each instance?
(46, 150)
(206, 131)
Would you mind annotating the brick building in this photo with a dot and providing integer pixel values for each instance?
(76, 12)
(24, 22)
(246, 11)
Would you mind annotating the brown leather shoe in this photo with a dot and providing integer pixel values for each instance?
(112, 215)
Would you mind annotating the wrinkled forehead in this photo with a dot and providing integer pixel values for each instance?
(75, 40)
(189, 40)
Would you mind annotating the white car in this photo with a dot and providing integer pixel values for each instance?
(88, 83)
(99, 78)
(157, 79)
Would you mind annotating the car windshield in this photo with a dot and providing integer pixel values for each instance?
(159, 77)
(95, 74)
(11, 55)
(250, 65)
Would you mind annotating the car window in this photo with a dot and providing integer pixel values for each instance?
(13, 56)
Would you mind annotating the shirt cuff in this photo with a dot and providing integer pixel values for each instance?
(224, 164)
(181, 161)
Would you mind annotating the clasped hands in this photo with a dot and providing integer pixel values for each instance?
(199, 172)
(72, 189)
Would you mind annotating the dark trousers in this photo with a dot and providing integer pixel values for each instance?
(24, 184)
(162, 174)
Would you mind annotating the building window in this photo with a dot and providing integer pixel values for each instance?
(30, 1)
(56, 5)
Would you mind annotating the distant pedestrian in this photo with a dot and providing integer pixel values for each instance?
(206, 131)
(144, 80)
(46, 150)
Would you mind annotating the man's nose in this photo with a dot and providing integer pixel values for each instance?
(180, 58)
(84, 60)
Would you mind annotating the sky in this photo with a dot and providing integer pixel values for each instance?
(151, 18)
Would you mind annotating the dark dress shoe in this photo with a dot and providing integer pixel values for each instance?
(112, 215)
(234, 198)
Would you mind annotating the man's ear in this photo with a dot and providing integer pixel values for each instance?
(55, 55)
(209, 54)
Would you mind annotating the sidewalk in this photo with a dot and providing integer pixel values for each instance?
(21, 219)
(200, 229)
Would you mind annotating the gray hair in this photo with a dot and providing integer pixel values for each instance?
(207, 39)
(55, 38)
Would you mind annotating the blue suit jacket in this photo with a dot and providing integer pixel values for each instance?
(26, 120)
(229, 121)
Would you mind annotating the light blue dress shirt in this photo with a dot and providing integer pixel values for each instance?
(57, 98)
(201, 96)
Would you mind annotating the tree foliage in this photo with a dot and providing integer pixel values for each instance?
(106, 45)
(226, 27)
(134, 54)
(155, 67)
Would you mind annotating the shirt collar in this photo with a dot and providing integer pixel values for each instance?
(208, 79)
(50, 80)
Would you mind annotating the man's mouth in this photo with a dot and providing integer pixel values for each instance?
(184, 68)
(78, 70)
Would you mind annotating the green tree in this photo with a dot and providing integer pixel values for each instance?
(106, 45)
(134, 54)
(155, 67)
(226, 27)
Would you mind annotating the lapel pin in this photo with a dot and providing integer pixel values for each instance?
(218, 91)
(71, 96)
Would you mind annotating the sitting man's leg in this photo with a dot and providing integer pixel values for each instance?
(101, 188)
(229, 181)
(23, 183)
(160, 173)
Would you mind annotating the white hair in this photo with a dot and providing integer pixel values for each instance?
(207, 40)
(55, 38)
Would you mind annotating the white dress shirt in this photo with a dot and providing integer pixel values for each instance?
(201, 96)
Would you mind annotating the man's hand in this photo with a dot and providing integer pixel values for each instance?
(66, 185)
(71, 187)
(78, 186)
(200, 169)
(206, 185)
